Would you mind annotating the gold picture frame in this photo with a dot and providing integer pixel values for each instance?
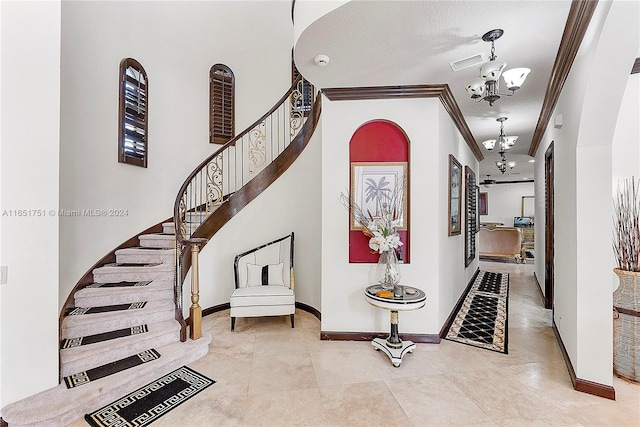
(368, 178)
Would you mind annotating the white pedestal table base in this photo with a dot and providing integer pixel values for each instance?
(395, 354)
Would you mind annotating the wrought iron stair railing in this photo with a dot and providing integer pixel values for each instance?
(232, 176)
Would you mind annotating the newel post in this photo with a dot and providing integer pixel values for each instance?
(195, 311)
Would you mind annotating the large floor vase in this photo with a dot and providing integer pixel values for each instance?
(626, 325)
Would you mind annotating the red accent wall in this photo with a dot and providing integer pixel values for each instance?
(377, 141)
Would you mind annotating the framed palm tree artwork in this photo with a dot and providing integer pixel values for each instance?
(379, 188)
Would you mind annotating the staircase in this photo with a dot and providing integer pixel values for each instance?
(125, 315)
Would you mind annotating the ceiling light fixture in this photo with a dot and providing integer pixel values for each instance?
(504, 144)
(488, 182)
(486, 87)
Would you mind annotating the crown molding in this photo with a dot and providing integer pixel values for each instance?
(411, 91)
(580, 15)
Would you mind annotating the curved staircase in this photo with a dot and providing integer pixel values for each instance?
(110, 339)
(122, 325)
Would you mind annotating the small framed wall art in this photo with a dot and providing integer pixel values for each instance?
(455, 196)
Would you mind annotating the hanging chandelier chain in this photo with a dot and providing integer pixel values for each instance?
(503, 164)
(486, 87)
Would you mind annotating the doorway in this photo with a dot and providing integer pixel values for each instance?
(549, 228)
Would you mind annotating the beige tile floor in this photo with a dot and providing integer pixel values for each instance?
(271, 375)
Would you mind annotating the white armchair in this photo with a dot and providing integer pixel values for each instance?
(264, 281)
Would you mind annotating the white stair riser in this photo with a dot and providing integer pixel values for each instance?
(118, 350)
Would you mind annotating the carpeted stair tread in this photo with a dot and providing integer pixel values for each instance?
(105, 295)
(96, 373)
(118, 284)
(105, 336)
(60, 406)
(133, 272)
(200, 217)
(146, 255)
(169, 228)
(81, 311)
(83, 357)
(157, 240)
(90, 324)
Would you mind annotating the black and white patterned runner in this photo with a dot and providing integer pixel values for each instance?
(152, 401)
(481, 320)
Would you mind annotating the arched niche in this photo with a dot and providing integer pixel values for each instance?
(384, 142)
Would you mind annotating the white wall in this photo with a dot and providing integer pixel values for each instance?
(625, 146)
(504, 201)
(292, 203)
(583, 158)
(177, 43)
(437, 261)
(453, 277)
(626, 142)
(29, 170)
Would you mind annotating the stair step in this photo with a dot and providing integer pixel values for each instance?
(155, 290)
(86, 356)
(91, 324)
(140, 255)
(94, 374)
(113, 273)
(81, 311)
(199, 217)
(158, 240)
(60, 406)
(168, 228)
(69, 343)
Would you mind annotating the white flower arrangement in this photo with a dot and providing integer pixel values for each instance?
(381, 228)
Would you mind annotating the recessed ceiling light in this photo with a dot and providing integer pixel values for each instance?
(532, 161)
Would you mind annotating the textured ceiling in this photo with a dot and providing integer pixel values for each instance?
(382, 43)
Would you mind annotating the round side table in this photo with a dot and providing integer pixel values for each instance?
(405, 298)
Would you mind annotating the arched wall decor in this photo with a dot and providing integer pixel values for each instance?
(379, 141)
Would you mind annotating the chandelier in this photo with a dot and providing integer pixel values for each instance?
(486, 87)
(504, 144)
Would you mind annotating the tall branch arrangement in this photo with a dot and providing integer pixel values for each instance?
(626, 233)
(382, 225)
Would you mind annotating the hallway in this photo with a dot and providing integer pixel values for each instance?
(269, 374)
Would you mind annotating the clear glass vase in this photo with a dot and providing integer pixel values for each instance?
(387, 272)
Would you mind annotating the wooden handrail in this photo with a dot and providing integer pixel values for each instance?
(228, 180)
(232, 142)
(251, 190)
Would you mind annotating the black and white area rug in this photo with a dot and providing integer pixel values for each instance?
(481, 320)
(152, 401)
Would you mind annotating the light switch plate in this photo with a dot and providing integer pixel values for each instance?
(3, 274)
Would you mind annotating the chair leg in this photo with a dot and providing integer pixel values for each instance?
(233, 323)
(291, 320)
